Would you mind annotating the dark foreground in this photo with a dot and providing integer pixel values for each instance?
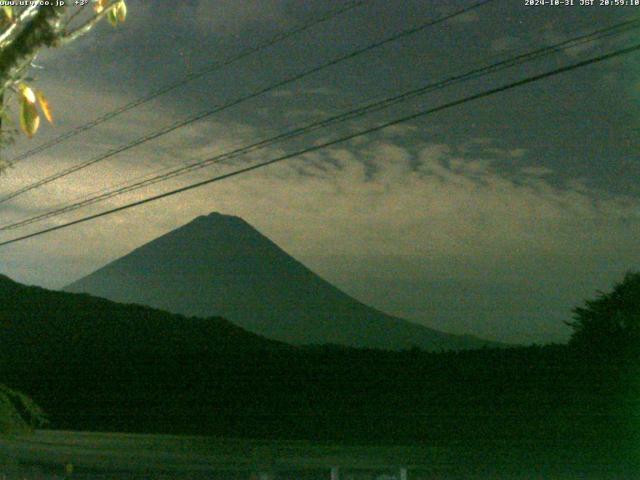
(556, 411)
(46, 455)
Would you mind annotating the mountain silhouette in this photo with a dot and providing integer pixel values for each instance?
(65, 324)
(219, 265)
(91, 363)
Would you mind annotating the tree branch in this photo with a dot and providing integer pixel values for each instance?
(42, 31)
(25, 15)
(69, 37)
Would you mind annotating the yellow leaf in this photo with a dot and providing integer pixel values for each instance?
(27, 93)
(44, 105)
(8, 12)
(99, 5)
(121, 11)
(29, 118)
(112, 16)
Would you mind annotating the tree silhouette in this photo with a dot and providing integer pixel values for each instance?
(611, 322)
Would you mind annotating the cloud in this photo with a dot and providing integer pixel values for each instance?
(452, 214)
(506, 43)
(304, 91)
(536, 171)
(552, 35)
(230, 17)
(442, 204)
(468, 17)
(387, 199)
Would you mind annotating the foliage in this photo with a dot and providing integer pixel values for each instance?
(24, 31)
(18, 412)
(610, 323)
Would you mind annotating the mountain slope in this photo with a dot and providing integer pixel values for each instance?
(95, 364)
(58, 324)
(220, 265)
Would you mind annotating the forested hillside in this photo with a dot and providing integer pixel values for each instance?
(96, 365)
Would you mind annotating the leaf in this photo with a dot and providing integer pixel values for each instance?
(112, 16)
(121, 11)
(29, 118)
(44, 105)
(27, 92)
(8, 12)
(99, 5)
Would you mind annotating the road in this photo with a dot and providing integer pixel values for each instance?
(50, 454)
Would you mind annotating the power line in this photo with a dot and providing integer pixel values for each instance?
(200, 116)
(366, 109)
(314, 148)
(187, 79)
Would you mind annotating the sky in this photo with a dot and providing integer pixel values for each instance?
(495, 217)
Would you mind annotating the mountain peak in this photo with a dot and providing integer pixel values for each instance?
(220, 265)
(218, 219)
(216, 216)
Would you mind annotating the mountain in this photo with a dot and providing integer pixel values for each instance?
(221, 265)
(59, 324)
(95, 364)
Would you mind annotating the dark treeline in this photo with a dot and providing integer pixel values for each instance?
(95, 365)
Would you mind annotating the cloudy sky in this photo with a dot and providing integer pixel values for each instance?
(495, 217)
